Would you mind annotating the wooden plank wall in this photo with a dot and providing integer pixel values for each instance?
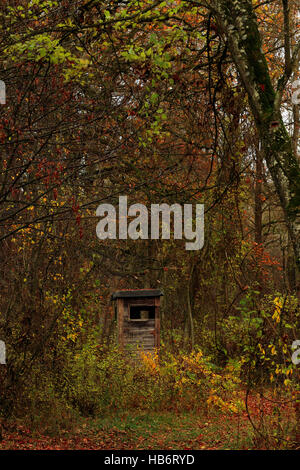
(145, 333)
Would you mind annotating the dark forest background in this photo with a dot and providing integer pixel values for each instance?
(165, 102)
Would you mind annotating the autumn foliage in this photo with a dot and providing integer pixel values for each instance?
(175, 102)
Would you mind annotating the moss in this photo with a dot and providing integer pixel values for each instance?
(252, 45)
(279, 144)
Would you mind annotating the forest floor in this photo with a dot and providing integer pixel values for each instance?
(140, 430)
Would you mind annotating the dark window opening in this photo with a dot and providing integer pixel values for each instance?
(142, 313)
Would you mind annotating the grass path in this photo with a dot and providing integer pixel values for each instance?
(140, 431)
(169, 430)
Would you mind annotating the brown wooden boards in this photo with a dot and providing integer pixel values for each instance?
(138, 319)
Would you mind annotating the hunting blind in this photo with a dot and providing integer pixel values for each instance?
(138, 318)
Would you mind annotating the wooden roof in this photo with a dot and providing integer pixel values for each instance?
(136, 293)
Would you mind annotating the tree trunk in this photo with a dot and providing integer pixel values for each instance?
(238, 25)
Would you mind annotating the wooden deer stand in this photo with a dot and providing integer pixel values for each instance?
(138, 318)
